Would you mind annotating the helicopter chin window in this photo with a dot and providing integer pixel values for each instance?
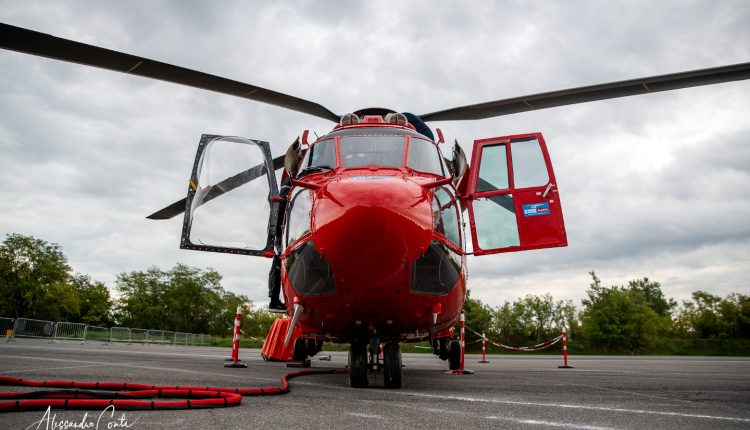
(309, 273)
(436, 271)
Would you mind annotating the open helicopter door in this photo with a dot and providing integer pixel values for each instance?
(240, 222)
(512, 196)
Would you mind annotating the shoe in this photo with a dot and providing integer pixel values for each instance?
(277, 308)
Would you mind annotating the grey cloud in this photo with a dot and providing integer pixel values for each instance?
(88, 153)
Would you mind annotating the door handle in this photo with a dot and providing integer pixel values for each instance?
(547, 190)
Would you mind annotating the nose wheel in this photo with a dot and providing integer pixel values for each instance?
(358, 365)
(392, 369)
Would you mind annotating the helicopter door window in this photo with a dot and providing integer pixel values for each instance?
(363, 151)
(298, 216)
(495, 220)
(515, 212)
(493, 169)
(228, 198)
(529, 168)
(424, 156)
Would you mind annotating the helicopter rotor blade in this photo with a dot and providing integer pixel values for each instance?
(45, 45)
(219, 189)
(591, 93)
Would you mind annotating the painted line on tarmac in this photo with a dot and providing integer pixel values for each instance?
(550, 423)
(550, 405)
(616, 390)
(130, 351)
(361, 415)
(137, 366)
(53, 368)
(569, 406)
(505, 419)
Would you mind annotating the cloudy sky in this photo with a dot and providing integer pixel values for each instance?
(654, 185)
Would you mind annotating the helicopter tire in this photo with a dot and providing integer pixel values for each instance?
(443, 350)
(300, 350)
(358, 365)
(393, 371)
(454, 355)
(313, 347)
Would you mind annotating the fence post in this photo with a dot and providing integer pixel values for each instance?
(484, 349)
(461, 370)
(54, 334)
(565, 347)
(235, 360)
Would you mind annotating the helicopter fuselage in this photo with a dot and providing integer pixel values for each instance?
(379, 256)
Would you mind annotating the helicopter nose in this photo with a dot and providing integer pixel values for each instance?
(372, 228)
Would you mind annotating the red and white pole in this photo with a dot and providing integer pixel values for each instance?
(236, 341)
(461, 370)
(565, 348)
(463, 340)
(484, 349)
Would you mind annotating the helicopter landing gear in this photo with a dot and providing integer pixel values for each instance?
(358, 365)
(313, 347)
(440, 348)
(300, 354)
(454, 355)
(300, 350)
(392, 369)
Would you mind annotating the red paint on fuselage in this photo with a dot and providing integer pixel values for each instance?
(371, 224)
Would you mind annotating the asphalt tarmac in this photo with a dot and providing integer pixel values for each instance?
(512, 391)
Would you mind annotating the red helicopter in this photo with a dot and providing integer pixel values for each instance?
(372, 247)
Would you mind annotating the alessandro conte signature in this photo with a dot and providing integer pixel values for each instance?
(50, 422)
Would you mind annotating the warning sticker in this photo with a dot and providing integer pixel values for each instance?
(536, 209)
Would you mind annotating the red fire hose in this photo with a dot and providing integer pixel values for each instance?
(129, 396)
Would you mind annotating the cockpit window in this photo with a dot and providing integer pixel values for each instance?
(322, 153)
(445, 215)
(298, 216)
(425, 157)
(361, 151)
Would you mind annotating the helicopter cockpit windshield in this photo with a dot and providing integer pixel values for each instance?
(362, 151)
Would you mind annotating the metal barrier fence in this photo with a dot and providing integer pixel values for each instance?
(138, 335)
(27, 327)
(119, 334)
(202, 340)
(69, 331)
(96, 334)
(54, 331)
(168, 337)
(181, 338)
(155, 336)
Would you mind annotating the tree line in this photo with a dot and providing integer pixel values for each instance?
(631, 318)
(36, 281)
